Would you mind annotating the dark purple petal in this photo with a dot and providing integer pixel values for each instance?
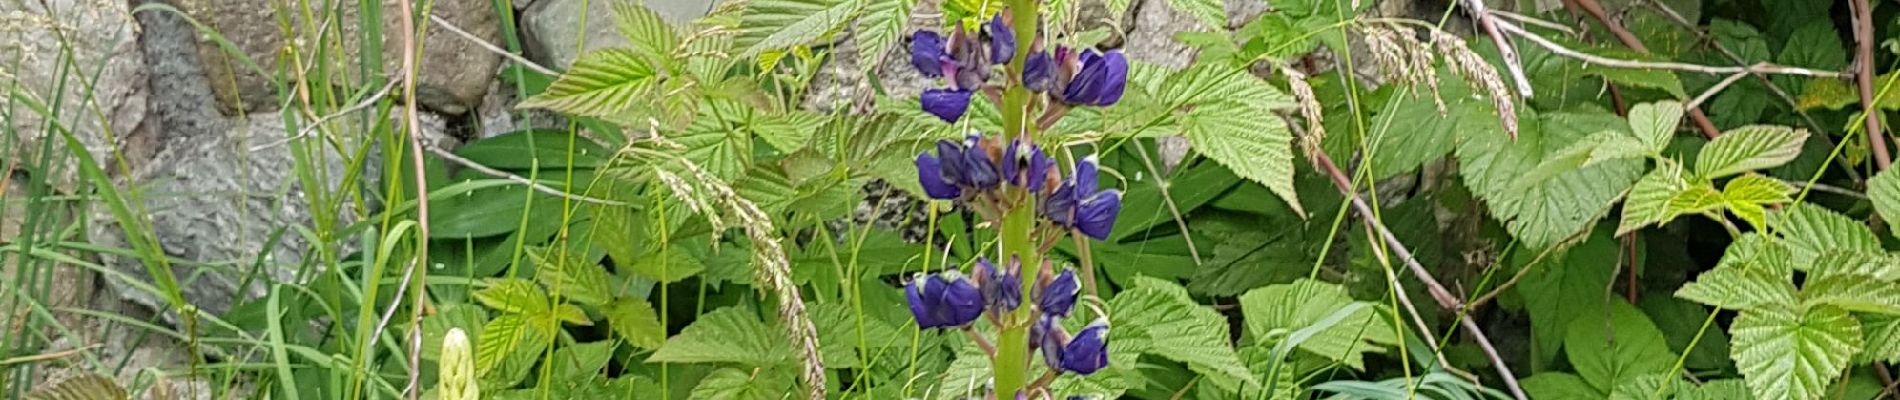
(1047, 334)
(1011, 168)
(1039, 72)
(1058, 297)
(1088, 351)
(1039, 166)
(979, 171)
(926, 53)
(1116, 81)
(930, 175)
(962, 300)
(948, 104)
(1085, 176)
(1059, 207)
(918, 306)
(1002, 290)
(972, 65)
(1095, 216)
(1002, 40)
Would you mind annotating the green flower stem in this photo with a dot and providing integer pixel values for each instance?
(1011, 364)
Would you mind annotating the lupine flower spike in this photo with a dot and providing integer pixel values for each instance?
(943, 300)
(1088, 351)
(1002, 290)
(963, 60)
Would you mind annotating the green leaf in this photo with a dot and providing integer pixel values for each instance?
(841, 331)
(1410, 132)
(1753, 271)
(86, 386)
(781, 24)
(1793, 353)
(881, 25)
(1563, 288)
(1746, 196)
(582, 361)
(1722, 389)
(787, 132)
(1543, 212)
(1648, 201)
(581, 282)
(534, 148)
(1181, 329)
(671, 265)
(645, 30)
(1288, 310)
(1560, 386)
(604, 83)
(1857, 293)
(1622, 347)
(1681, 324)
(1225, 123)
(514, 296)
(1211, 13)
(572, 314)
(1810, 231)
(1884, 190)
(1656, 385)
(507, 348)
(1655, 123)
(1696, 199)
(469, 317)
(1749, 148)
(634, 321)
(1882, 339)
(730, 334)
(1876, 265)
(738, 384)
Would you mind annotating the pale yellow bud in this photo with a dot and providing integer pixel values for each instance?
(457, 379)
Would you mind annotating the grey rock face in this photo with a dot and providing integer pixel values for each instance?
(554, 31)
(452, 76)
(1152, 38)
(99, 93)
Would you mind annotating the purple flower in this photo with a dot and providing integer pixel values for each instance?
(1002, 290)
(1077, 204)
(947, 104)
(930, 175)
(1058, 297)
(1026, 165)
(944, 300)
(926, 53)
(957, 169)
(1100, 81)
(1088, 351)
(1047, 334)
(1039, 72)
(1002, 40)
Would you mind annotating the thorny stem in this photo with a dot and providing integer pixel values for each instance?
(1444, 298)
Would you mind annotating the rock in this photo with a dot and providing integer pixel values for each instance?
(1151, 39)
(552, 28)
(102, 100)
(453, 75)
(51, 284)
(498, 114)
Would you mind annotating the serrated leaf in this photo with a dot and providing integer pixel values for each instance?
(672, 265)
(737, 384)
(581, 282)
(1289, 310)
(1753, 271)
(635, 321)
(880, 26)
(730, 334)
(1882, 339)
(604, 83)
(1787, 352)
(1749, 148)
(1542, 213)
(87, 386)
(782, 24)
(1745, 196)
(1658, 385)
(645, 29)
(1410, 132)
(1810, 231)
(1238, 137)
(1648, 201)
(1696, 199)
(1564, 288)
(1180, 329)
(787, 132)
(507, 348)
(1658, 79)
(1884, 191)
(1875, 265)
(515, 296)
(1655, 123)
(1857, 293)
(572, 314)
(581, 362)
(1616, 349)
(470, 318)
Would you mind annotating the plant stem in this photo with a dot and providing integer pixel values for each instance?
(1864, 76)
(1011, 365)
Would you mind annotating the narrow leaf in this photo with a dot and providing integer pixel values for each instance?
(1749, 148)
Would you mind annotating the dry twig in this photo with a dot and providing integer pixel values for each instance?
(1864, 76)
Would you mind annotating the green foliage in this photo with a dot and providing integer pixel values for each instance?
(1319, 318)
(1788, 352)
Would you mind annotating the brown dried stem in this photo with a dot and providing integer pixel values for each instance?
(1490, 24)
(1864, 76)
(1444, 297)
(413, 124)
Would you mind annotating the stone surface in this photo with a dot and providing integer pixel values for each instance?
(453, 74)
(498, 114)
(1151, 39)
(52, 285)
(98, 94)
(553, 29)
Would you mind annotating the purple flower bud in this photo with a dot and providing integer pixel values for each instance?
(1058, 297)
(1100, 81)
(926, 53)
(979, 171)
(1026, 165)
(1047, 335)
(948, 104)
(1002, 40)
(944, 300)
(972, 65)
(930, 175)
(1085, 177)
(1095, 216)
(1002, 290)
(1088, 351)
(1039, 72)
